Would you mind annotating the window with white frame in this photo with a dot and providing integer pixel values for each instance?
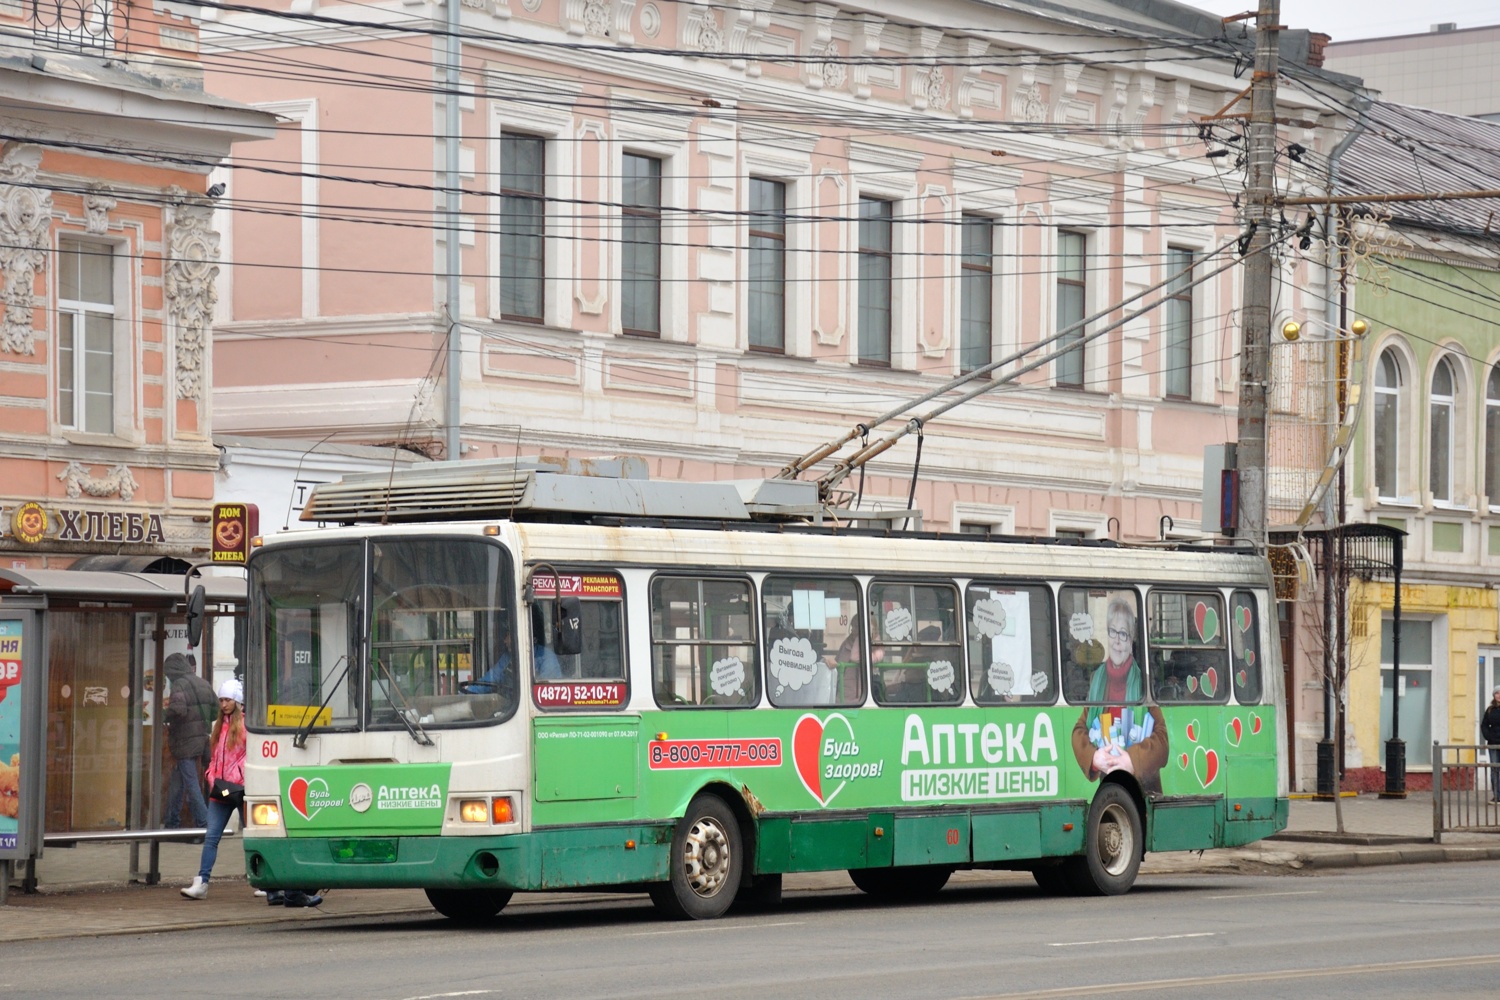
(640, 245)
(1492, 437)
(767, 291)
(1387, 430)
(1441, 403)
(86, 336)
(523, 222)
(976, 292)
(876, 225)
(1177, 326)
(1072, 275)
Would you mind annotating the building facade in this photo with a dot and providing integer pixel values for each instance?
(109, 259)
(1450, 69)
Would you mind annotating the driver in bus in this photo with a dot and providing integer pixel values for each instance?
(545, 664)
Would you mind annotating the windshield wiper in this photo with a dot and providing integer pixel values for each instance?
(408, 712)
(300, 740)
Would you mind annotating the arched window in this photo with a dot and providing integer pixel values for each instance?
(1492, 438)
(1387, 425)
(1440, 438)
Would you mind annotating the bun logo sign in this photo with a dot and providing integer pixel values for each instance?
(234, 525)
(819, 751)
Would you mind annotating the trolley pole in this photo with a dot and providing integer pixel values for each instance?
(1255, 352)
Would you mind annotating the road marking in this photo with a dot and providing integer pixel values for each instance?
(704, 930)
(1446, 902)
(1198, 982)
(460, 993)
(1257, 895)
(1134, 940)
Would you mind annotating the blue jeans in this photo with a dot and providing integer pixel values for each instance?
(185, 781)
(218, 819)
(1495, 772)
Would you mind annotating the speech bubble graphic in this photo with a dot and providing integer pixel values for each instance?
(1039, 682)
(940, 676)
(792, 662)
(1001, 677)
(1081, 626)
(727, 677)
(897, 624)
(989, 617)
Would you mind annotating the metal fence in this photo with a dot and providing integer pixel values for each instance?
(1465, 781)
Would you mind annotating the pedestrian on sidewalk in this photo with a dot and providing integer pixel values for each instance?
(226, 761)
(189, 714)
(1489, 731)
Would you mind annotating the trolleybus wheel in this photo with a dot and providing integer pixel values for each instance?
(907, 883)
(705, 863)
(469, 906)
(1112, 847)
(1052, 879)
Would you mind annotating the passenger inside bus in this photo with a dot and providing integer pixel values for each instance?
(501, 677)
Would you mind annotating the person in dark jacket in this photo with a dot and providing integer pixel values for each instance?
(1489, 731)
(190, 711)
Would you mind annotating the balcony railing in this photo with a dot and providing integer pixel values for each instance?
(87, 26)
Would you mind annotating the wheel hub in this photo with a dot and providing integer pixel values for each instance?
(705, 857)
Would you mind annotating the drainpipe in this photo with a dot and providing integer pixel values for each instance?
(452, 413)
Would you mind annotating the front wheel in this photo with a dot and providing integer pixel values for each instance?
(1113, 846)
(706, 863)
(468, 906)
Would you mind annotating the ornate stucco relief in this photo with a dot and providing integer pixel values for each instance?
(80, 481)
(193, 250)
(25, 217)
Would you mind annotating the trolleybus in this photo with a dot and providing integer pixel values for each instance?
(564, 682)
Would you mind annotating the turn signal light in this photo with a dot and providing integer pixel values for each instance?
(504, 811)
(473, 810)
(265, 814)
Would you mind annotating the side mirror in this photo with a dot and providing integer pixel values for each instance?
(195, 604)
(569, 627)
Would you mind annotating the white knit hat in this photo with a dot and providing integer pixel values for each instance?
(232, 689)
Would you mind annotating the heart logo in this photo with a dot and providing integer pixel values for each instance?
(807, 754)
(1207, 621)
(296, 793)
(1249, 657)
(1243, 678)
(1192, 685)
(1205, 765)
(1210, 682)
(1254, 725)
(1235, 731)
(1182, 761)
(1242, 618)
(1192, 729)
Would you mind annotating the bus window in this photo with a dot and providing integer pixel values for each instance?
(1100, 637)
(703, 642)
(1010, 644)
(1244, 647)
(1189, 661)
(915, 652)
(441, 645)
(814, 652)
(594, 677)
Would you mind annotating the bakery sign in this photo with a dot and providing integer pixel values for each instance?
(31, 523)
(234, 525)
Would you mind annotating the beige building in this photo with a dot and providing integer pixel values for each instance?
(1450, 69)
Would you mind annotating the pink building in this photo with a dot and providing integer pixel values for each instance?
(716, 237)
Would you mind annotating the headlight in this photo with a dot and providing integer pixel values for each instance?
(265, 814)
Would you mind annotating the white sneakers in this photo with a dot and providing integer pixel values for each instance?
(198, 890)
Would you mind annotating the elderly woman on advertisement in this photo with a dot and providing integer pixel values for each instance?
(1117, 732)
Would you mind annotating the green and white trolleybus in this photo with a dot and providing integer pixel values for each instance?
(490, 680)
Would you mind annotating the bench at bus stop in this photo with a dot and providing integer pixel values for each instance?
(152, 837)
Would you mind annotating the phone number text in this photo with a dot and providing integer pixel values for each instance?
(677, 754)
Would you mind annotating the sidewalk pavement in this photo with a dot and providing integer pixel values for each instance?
(86, 891)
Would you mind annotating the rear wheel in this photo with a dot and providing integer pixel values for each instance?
(903, 884)
(469, 906)
(706, 863)
(1112, 848)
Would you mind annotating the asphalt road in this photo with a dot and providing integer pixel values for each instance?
(1404, 931)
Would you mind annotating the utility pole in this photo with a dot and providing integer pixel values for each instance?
(1255, 351)
(453, 206)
